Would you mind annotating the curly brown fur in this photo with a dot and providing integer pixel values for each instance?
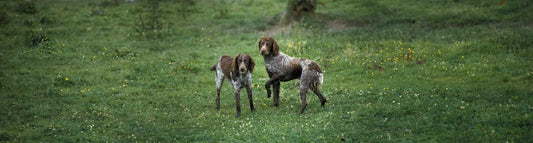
(238, 71)
(281, 68)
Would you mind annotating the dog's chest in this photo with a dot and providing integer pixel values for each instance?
(241, 80)
(278, 64)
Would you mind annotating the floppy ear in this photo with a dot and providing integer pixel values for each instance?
(275, 47)
(251, 64)
(236, 64)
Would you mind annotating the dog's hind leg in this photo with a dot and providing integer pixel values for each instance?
(304, 87)
(320, 96)
(219, 80)
(303, 96)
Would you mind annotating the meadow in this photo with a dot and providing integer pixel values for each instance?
(394, 70)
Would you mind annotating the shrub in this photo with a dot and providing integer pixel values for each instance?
(4, 19)
(37, 37)
(26, 8)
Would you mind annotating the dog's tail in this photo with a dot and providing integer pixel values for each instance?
(317, 80)
(213, 68)
(320, 79)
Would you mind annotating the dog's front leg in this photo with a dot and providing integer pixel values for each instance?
(249, 91)
(238, 101)
(276, 93)
(272, 80)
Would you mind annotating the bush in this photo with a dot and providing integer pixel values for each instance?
(26, 8)
(37, 37)
(4, 19)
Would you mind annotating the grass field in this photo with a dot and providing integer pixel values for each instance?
(395, 70)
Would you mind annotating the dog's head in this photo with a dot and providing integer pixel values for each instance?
(243, 63)
(268, 46)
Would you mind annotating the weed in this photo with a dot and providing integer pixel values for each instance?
(37, 37)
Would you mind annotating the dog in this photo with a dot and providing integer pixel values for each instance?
(282, 68)
(238, 71)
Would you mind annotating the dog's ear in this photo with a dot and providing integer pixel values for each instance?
(236, 64)
(275, 47)
(251, 63)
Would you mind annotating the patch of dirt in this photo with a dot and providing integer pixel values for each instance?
(334, 25)
(278, 28)
(338, 25)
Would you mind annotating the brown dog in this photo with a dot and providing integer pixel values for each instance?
(281, 68)
(238, 71)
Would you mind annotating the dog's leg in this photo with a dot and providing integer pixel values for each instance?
(218, 100)
(320, 96)
(249, 91)
(267, 87)
(237, 101)
(219, 80)
(276, 93)
(304, 87)
(303, 96)
(272, 80)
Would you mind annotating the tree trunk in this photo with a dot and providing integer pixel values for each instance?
(297, 8)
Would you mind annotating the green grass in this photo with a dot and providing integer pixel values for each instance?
(414, 71)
